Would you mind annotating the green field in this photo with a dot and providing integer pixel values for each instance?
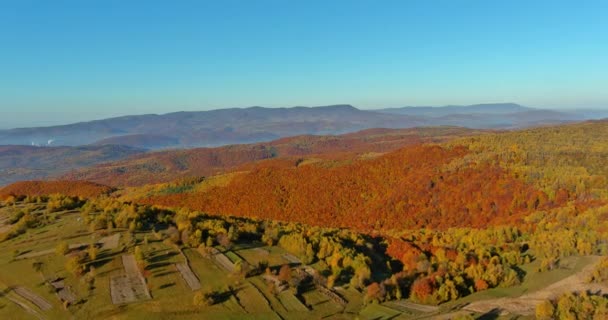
(272, 255)
(172, 298)
(379, 312)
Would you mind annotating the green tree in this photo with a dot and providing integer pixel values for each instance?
(62, 248)
(203, 298)
(92, 252)
(139, 257)
(74, 266)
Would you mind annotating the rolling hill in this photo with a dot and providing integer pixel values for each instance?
(403, 190)
(494, 178)
(82, 189)
(165, 166)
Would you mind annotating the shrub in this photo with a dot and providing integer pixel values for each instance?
(62, 248)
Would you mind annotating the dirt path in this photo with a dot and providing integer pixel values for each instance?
(33, 298)
(407, 305)
(526, 304)
(25, 307)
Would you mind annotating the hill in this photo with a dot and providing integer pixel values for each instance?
(165, 166)
(488, 179)
(402, 189)
(31, 162)
(44, 188)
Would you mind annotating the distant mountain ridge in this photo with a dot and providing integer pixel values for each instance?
(215, 127)
(256, 124)
(487, 108)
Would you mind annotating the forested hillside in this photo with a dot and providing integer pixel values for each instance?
(444, 223)
(166, 166)
(570, 158)
(82, 189)
(487, 179)
(403, 189)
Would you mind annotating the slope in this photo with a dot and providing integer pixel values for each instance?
(474, 182)
(165, 166)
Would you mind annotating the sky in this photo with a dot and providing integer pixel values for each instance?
(65, 61)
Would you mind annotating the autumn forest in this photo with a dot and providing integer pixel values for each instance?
(391, 219)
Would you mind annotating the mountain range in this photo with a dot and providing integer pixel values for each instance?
(210, 128)
(42, 152)
(256, 124)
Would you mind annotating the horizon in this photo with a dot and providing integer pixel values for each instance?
(67, 62)
(51, 123)
(276, 159)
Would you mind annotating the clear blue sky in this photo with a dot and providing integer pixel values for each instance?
(62, 61)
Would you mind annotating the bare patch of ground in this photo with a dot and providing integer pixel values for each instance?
(109, 242)
(188, 276)
(131, 286)
(25, 307)
(33, 298)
